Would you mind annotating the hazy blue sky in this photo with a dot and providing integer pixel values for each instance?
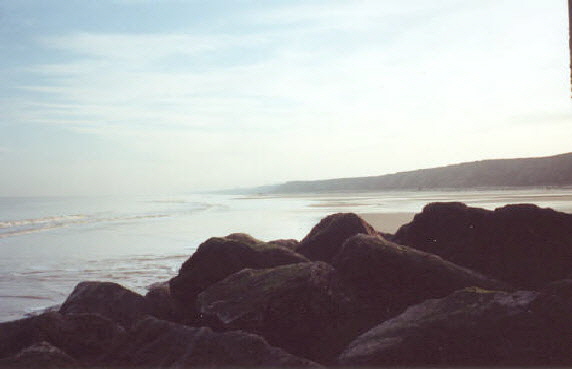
(116, 96)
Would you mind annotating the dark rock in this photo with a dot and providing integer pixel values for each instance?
(562, 288)
(556, 302)
(299, 307)
(40, 355)
(388, 277)
(289, 243)
(84, 337)
(108, 299)
(161, 303)
(219, 257)
(326, 238)
(522, 244)
(470, 327)
(160, 344)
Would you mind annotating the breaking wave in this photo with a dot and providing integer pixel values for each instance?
(40, 221)
(17, 227)
(26, 226)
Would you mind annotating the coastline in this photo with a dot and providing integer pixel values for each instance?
(120, 237)
(341, 275)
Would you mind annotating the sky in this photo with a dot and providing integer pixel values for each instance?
(148, 96)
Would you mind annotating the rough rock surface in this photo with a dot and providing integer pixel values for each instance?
(388, 277)
(561, 288)
(521, 244)
(40, 355)
(84, 337)
(161, 303)
(219, 257)
(288, 243)
(299, 307)
(160, 344)
(108, 299)
(327, 237)
(471, 327)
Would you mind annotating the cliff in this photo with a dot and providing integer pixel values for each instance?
(550, 171)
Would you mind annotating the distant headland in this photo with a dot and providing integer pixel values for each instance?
(549, 171)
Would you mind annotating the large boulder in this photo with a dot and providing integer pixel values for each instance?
(388, 277)
(108, 299)
(219, 257)
(299, 307)
(327, 237)
(160, 344)
(471, 327)
(521, 244)
(84, 337)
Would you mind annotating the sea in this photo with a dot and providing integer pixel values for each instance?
(49, 244)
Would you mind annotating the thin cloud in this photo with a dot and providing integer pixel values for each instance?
(303, 84)
(144, 48)
(356, 15)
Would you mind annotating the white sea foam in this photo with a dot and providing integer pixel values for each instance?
(19, 216)
(44, 220)
(13, 228)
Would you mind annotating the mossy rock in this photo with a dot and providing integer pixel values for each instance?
(470, 328)
(219, 257)
(521, 244)
(388, 277)
(325, 240)
(159, 344)
(298, 307)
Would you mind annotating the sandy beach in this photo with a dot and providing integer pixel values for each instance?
(387, 222)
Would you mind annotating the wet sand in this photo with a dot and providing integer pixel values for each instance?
(387, 222)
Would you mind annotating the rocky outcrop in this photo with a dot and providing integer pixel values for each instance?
(521, 244)
(327, 237)
(159, 344)
(387, 277)
(219, 257)
(108, 299)
(53, 340)
(373, 302)
(84, 337)
(470, 327)
(299, 307)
